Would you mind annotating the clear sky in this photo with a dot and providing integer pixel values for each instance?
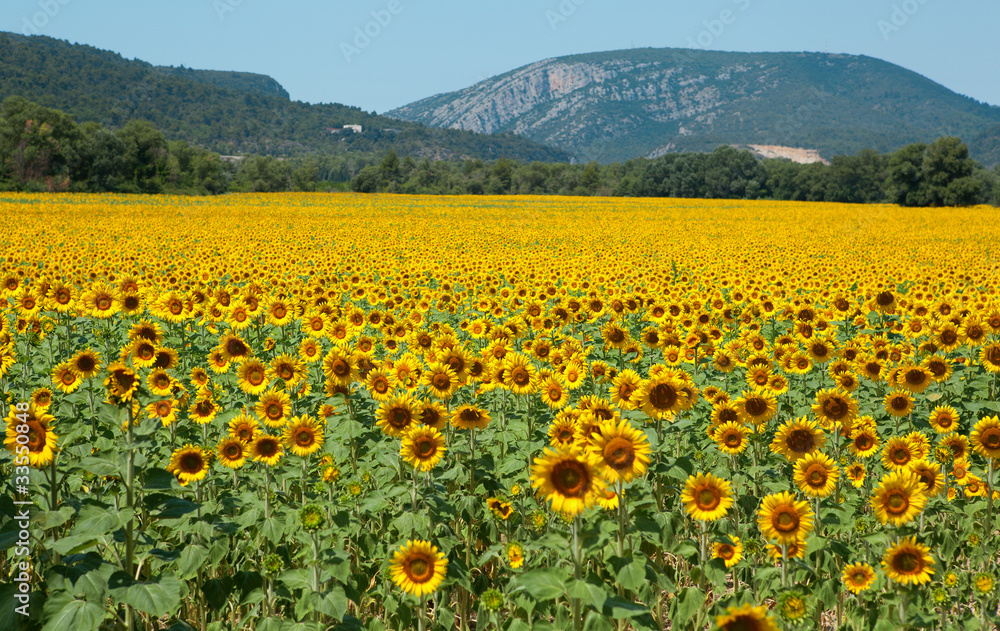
(319, 51)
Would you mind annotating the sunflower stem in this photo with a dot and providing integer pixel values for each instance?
(989, 498)
(130, 501)
(577, 570)
(784, 565)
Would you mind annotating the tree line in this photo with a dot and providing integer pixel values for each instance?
(43, 149)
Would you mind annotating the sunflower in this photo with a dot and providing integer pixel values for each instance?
(756, 406)
(944, 419)
(707, 497)
(795, 439)
(661, 397)
(745, 618)
(914, 378)
(159, 382)
(730, 552)
(310, 350)
(731, 438)
(340, 367)
(470, 417)
(899, 498)
(303, 435)
(816, 474)
(619, 451)
(515, 554)
(101, 301)
(865, 441)
(856, 473)
(858, 577)
(418, 568)
(567, 479)
(279, 313)
(142, 352)
(244, 427)
(203, 410)
(929, 474)
(989, 357)
(165, 410)
(267, 449)
(624, 389)
(35, 433)
(252, 377)
(232, 452)
(65, 379)
(189, 463)
(554, 393)
(985, 437)
(835, 408)
(288, 368)
(520, 376)
(422, 447)
(783, 518)
(793, 550)
(441, 381)
(233, 348)
(897, 453)
(607, 499)
(898, 403)
(273, 407)
(431, 413)
(957, 444)
(398, 414)
(614, 336)
(121, 382)
(563, 430)
(908, 562)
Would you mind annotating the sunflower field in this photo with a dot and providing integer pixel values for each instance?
(307, 412)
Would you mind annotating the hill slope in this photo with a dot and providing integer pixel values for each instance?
(623, 104)
(231, 113)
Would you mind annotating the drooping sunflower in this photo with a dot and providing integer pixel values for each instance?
(273, 407)
(624, 389)
(858, 577)
(899, 498)
(985, 437)
(619, 451)
(731, 552)
(122, 382)
(423, 447)
(856, 473)
(37, 435)
(470, 417)
(783, 518)
(189, 463)
(731, 438)
(746, 618)
(567, 479)
(418, 568)
(267, 449)
(707, 497)
(795, 439)
(908, 562)
(816, 474)
(232, 452)
(898, 403)
(303, 435)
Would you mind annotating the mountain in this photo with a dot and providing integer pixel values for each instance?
(227, 112)
(617, 105)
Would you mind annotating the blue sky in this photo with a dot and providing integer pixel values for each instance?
(319, 51)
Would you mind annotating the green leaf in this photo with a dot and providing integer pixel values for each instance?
(192, 558)
(77, 615)
(544, 584)
(98, 520)
(75, 544)
(589, 592)
(334, 603)
(689, 601)
(157, 598)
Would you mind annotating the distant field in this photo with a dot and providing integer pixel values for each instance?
(302, 411)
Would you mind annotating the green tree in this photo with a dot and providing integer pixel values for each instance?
(37, 144)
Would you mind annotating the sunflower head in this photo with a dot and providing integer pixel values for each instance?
(418, 568)
(908, 562)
